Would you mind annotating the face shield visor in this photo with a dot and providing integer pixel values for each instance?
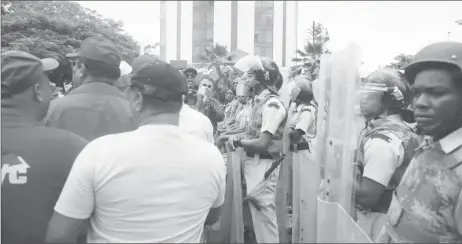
(242, 88)
(371, 97)
(248, 64)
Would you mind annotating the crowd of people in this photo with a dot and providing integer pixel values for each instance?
(139, 158)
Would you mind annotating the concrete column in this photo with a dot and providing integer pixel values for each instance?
(171, 17)
(186, 30)
(246, 26)
(222, 23)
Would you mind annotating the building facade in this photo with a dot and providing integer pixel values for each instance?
(266, 28)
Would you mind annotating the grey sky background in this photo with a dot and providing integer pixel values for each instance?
(383, 29)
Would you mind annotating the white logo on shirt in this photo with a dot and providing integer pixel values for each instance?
(16, 168)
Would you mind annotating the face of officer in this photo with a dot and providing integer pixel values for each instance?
(437, 102)
(370, 101)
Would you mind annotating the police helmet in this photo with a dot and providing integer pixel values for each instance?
(306, 88)
(438, 54)
(393, 84)
(266, 70)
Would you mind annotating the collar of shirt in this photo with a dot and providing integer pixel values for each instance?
(100, 88)
(14, 118)
(451, 142)
(382, 120)
(262, 95)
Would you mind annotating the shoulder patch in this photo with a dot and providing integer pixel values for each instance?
(381, 136)
(305, 110)
(274, 105)
(388, 137)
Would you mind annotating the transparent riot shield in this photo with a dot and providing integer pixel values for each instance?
(231, 219)
(336, 138)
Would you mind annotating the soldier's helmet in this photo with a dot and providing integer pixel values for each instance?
(394, 85)
(305, 87)
(440, 54)
(266, 70)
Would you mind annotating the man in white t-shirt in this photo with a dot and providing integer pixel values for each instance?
(155, 184)
(195, 123)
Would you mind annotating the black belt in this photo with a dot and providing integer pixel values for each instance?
(263, 155)
(300, 146)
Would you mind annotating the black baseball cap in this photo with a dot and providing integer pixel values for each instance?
(160, 80)
(21, 70)
(191, 71)
(141, 60)
(98, 52)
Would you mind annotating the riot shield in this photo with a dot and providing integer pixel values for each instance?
(231, 220)
(338, 85)
(283, 183)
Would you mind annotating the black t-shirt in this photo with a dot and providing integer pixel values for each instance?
(36, 161)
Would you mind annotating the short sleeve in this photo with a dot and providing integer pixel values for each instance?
(77, 199)
(306, 119)
(382, 157)
(273, 113)
(221, 179)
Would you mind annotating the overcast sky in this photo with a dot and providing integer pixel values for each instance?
(383, 29)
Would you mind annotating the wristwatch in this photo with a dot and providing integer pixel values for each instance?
(237, 143)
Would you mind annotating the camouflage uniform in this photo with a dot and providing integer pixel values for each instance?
(423, 208)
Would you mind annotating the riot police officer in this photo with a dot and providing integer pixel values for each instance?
(303, 121)
(427, 205)
(386, 146)
(262, 143)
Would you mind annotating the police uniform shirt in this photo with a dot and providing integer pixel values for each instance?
(273, 113)
(383, 154)
(36, 161)
(303, 119)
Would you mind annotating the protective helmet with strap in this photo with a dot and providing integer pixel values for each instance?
(266, 70)
(438, 54)
(302, 90)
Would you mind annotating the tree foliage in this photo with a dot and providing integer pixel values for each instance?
(400, 61)
(55, 28)
(316, 38)
(212, 53)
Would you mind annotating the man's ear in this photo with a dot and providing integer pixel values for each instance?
(37, 93)
(139, 101)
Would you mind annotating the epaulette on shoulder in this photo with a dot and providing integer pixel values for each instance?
(381, 136)
(274, 105)
(305, 110)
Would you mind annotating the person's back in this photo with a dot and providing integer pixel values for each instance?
(91, 111)
(174, 177)
(195, 123)
(28, 197)
(36, 160)
(95, 107)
